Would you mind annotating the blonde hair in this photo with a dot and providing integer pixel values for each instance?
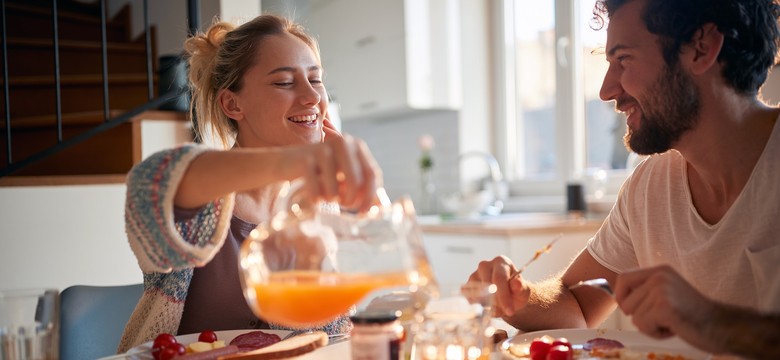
(218, 60)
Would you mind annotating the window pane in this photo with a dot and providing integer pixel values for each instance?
(604, 127)
(535, 88)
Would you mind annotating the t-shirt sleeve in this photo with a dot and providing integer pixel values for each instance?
(161, 241)
(612, 246)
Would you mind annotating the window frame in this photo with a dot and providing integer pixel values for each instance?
(571, 151)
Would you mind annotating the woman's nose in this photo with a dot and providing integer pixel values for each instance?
(310, 95)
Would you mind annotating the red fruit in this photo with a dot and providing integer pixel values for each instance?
(167, 353)
(562, 341)
(171, 351)
(560, 352)
(539, 348)
(207, 336)
(161, 342)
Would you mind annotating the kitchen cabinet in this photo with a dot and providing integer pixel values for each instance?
(454, 257)
(388, 57)
(455, 251)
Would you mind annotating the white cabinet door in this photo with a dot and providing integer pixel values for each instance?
(373, 61)
(454, 257)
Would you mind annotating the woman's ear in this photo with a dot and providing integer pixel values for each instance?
(228, 102)
(705, 46)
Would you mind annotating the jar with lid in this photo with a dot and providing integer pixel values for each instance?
(377, 336)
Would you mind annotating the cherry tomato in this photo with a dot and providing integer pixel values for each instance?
(161, 342)
(562, 341)
(540, 347)
(560, 352)
(167, 353)
(207, 336)
(171, 351)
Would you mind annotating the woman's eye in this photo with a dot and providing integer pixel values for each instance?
(283, 83)
(315, 81)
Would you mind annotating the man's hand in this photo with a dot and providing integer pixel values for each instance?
(662, 304)
(511, 293)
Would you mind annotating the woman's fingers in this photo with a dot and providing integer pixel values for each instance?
(329, 130)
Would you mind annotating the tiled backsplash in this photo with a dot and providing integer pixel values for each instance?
(393, 142)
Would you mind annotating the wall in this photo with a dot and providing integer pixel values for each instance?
(170, 18)
(64, 235)
(57, 236)
(393, 142)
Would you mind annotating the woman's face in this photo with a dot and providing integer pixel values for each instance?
(282, 101)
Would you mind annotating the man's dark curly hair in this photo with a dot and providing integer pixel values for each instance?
(749, 27)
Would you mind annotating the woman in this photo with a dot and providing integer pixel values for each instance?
(257, 90)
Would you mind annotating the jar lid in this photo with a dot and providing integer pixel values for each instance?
(374, 317)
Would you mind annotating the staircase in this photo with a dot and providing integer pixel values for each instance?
(106, 156)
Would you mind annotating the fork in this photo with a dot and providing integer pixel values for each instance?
(599, 283)
(538, 253)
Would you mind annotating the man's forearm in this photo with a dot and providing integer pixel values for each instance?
(550, 306)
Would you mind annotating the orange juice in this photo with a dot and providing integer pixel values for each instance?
(307, 298)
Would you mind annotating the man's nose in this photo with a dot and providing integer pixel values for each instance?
(610, 87)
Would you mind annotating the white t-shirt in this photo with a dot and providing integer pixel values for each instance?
(654, 222)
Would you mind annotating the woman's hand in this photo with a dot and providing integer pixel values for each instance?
(329, 130)
(511, 293)
(342, 169)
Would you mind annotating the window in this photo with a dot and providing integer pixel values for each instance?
(557, 129)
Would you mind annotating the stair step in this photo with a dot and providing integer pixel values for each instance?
(36, 95)
(31, 56)
(36, 21)
(113, 152)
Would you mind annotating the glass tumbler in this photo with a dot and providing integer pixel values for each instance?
(457, 326)
(29, 324)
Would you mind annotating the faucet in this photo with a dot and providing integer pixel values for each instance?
(496, 178)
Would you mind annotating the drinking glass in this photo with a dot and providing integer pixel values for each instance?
(29, 324)
(309, 264)
(457, 326)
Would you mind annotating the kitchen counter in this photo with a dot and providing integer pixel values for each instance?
(512, 224)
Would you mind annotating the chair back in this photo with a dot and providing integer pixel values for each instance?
(92, 319)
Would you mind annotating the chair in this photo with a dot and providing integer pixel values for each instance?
(92, 319)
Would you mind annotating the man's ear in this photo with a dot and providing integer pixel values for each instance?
(229, 104)
(705, 47)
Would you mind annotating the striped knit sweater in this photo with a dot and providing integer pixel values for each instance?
(168, 251)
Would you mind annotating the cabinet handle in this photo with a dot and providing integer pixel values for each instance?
(368, 40)
(459, 249)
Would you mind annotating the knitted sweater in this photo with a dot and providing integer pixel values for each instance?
(168, 251)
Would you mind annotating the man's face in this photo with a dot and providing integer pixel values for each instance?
(669, 108)
(661, 102)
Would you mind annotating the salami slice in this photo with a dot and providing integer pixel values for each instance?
(254, 340)
(602, 344)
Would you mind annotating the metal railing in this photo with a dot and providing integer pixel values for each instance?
(193, 18)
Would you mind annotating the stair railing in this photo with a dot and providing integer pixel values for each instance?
(193, 19)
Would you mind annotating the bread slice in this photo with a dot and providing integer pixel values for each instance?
(294, 346)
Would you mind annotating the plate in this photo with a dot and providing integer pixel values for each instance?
(143, 351)
(633, 341)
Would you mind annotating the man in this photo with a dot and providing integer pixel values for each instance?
(693, 242)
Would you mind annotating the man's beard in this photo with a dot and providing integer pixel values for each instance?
(671, 109)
